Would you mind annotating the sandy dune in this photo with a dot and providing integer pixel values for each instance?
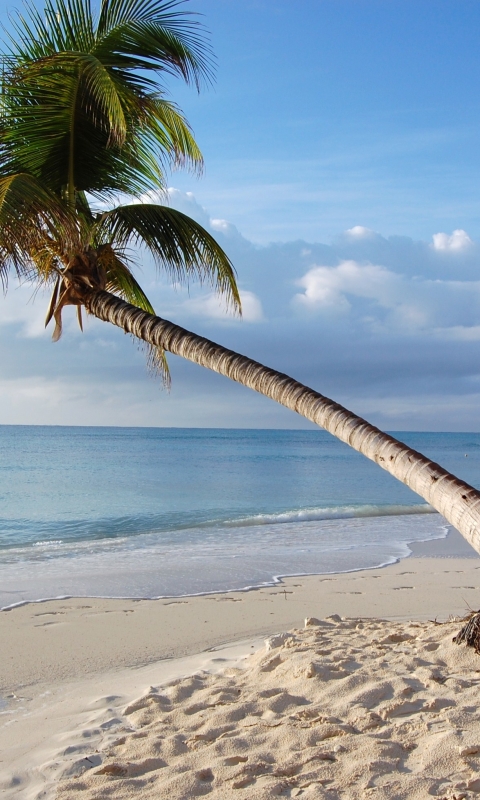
(341, 709)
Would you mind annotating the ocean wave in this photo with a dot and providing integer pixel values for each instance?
(47, 543)
(338, 512)
(62, 535)
(230, 560)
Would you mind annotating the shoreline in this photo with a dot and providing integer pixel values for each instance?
(239, 559)
(451, 545)
(69, 667)
(83, 635)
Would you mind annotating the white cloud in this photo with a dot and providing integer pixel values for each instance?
(411, 303)
(328, 286)
(323, 289)
(459, 240)
(214, 307)
(187, 204)
(181, 201)
(160, 196)
(25, 309)
(226, 228)
(392, 329)
(251, 307)
(359, 232)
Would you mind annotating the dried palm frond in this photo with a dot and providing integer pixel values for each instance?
(158, 365)
(470, 633)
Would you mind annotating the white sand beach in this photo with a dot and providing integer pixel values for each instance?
(122, 698)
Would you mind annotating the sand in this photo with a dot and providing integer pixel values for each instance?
(341, 709)
(346, 708)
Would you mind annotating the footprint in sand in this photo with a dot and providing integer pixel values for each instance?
(49, 613)
(233, 761)
(118, 611)
(46, 624)
(177, 603)
(232, 599)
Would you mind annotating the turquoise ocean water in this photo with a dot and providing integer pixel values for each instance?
(148, 512)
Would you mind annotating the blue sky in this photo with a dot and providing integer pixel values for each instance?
(331, 113)
(342, 146)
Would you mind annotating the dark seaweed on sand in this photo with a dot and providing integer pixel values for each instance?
(470, 633)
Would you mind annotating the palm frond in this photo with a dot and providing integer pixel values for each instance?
(83, 112)
(94, 87)
(55, 104)
(120, 281)
(138, 34)
(31, 220)
(59, 26)
(155, 35)
(117, 12)
(157, 364)
(53, 301)
(179, 245)
(149, 45)
(121, 142)
(168, 133)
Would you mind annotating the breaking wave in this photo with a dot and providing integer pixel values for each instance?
(338, 512)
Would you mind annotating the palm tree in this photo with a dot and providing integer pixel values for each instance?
(82, 121)
(85, 120)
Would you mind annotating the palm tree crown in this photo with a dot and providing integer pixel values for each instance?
(85, 119)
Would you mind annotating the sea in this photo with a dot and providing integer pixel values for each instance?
(159, 512)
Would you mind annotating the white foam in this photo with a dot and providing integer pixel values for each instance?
(238, 558)
(337, 512)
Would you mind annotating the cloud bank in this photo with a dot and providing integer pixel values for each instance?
(390, 327)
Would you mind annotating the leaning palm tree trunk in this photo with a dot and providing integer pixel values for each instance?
(458, 502)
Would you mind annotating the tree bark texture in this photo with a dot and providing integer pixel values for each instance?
(458, 502)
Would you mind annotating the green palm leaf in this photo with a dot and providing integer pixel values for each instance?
(140, 33)
(148, 45)
(168, 133)
(84, 114)
(68, 119)
(179, 245)
(92, 82)
(32, 221)
(57, 27)
(121, 282)
(159, 36)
